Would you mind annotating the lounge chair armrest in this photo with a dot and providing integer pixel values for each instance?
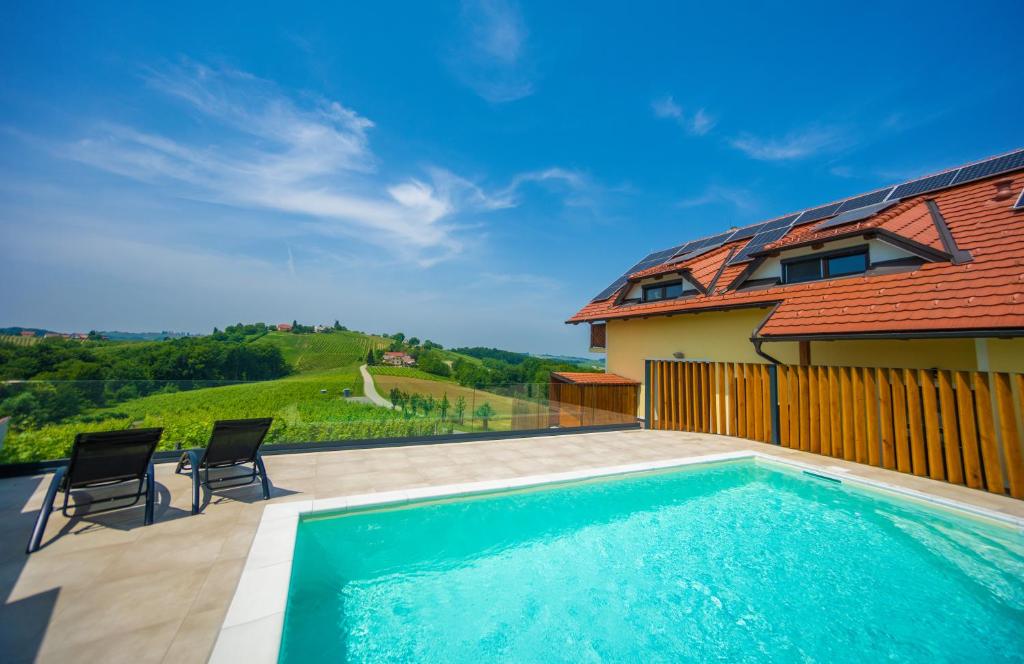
(45, 509)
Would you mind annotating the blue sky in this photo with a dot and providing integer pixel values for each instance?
(471, 173)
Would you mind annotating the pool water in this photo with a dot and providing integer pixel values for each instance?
(732, 562)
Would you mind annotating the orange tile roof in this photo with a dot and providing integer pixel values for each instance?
(986, 293)
(586, 378)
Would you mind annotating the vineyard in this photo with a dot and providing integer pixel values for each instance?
(303, 410)
(503, 406)
(18, 340)
(404, 372)
(319, 352)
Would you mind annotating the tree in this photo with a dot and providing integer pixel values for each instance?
(395, 397)
(414, 341)
(337, 325)
(444, 405)
(370, 359)
(398, 336)
(460, 409)
(485, 412)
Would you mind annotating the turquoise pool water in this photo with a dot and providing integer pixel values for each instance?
(728, 562)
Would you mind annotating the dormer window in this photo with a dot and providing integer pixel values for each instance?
(825, 265)
(666, 291)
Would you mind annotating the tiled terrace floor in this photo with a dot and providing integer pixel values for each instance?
(107, 589)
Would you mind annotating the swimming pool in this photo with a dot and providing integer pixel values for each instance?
(739, 560)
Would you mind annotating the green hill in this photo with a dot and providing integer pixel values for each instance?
(336, 351)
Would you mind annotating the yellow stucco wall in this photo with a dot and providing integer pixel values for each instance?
(724, 336)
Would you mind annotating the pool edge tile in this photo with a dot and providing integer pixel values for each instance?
(254, 642)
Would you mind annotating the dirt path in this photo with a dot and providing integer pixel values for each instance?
(370, 390)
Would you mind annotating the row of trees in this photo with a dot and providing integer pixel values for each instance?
(415, 404)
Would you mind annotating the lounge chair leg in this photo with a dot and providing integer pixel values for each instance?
(193, 459)
(263, 477)
(44, 511)
(150, 494)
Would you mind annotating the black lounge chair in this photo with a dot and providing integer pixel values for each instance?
(100, 460)
(233, 443)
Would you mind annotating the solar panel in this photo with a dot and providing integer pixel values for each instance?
(1007, 162)
(1019, 205)
(865, 199)
(817, 213)
(650, 260)
(702, 247)
(745, 233)
(851, 216)
(784, 222)
(930, 183)
(759, 241)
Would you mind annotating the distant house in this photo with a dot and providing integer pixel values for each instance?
(320, 329)
(78, 336)
(284, 327)
(399, 359)
(28, 333)
(53, 335)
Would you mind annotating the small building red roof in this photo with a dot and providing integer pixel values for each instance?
(942, 295)
(588, 378)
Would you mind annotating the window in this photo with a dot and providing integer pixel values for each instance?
(666, 291)
(824, 266)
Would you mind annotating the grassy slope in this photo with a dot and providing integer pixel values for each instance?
(341, 352)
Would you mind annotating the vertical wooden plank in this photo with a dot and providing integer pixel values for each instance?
(783, 405)
(930, 408)
(1011, 433)
(794, 407)
(758, 404)
(950, 430)
(813, 410)
(749, 395)
(684, 380)
(899, 420)
(670, 391)
(860, 440)
(835, 410)
(886, 430)
(918, 455)
(987, 434)
(766, 400)
(871, 417)
(803, 392)
(719, 398)
(679, 408)
(705, 397)
(658, 393)
(846, 386)
(968, 433)
(731, 404)
(694, 397)
(741, 402)
(824, 415)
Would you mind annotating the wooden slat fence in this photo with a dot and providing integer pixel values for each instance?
(963, 427)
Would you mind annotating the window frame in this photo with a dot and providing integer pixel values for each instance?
(683, 291)
(822, 259)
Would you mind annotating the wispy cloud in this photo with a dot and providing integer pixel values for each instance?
(492, 57)
(698, 123)
(795, 145)
(741, 199)
(268, 151)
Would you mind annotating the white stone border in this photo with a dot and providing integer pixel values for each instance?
(252, 629)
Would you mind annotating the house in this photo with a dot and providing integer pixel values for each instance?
(28, 333)
(925, 274)
(284, 327)
(320, 329)
(398, 359)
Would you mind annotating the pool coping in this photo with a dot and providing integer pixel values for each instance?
(254, 623)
